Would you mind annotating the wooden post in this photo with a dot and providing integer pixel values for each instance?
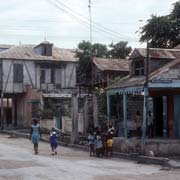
(125, 114)
(146, 94)
(108, 107)
(164, 116)
(13, 111)
(144, 116)
(74, 133)
(95, 110)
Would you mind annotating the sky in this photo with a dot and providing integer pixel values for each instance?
(65, 23)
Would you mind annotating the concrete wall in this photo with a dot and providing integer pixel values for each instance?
(48, 124)
(162, 148)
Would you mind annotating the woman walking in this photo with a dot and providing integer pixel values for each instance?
(35, 135)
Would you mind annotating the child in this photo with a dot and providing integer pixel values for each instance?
(35, 135)
(91, 139)
(98, 144)
(53, 141)
(109, 145)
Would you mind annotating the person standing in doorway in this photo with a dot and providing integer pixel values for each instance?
(35, 134)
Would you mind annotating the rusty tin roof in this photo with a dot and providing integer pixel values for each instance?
(27, 52)
(105, 64)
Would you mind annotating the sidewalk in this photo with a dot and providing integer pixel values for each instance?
(134, 157)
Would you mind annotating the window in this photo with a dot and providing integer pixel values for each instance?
(52, 76)
(18, 73)
(138, 68)
(42, 77)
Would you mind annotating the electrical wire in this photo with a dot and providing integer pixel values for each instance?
(74, 15)
(94, 24)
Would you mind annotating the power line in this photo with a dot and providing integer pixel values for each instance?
(93, 24)
(74, 14)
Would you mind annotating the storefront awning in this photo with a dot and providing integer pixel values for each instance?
(59, 95)
(136, 90)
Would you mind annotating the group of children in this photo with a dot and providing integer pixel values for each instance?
(101, 144)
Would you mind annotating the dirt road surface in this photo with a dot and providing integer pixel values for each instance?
(17, 162)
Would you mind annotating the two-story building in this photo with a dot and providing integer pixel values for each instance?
(35, 80)
(164, 91)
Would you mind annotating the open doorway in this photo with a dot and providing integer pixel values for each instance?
(158, 117)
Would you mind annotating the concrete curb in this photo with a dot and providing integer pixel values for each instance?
(134, 157)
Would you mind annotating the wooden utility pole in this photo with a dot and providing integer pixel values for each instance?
(146, 94)
(2, 105)
(74, 133)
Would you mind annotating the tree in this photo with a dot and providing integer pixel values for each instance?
(99, 50)
(119, 50)
(85, 53)
(163, 31)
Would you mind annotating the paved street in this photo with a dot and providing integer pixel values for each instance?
(17, 162)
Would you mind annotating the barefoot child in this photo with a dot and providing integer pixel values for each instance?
(53, 141)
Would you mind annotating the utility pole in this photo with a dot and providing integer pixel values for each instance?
(90, 23)
(74, 133)
(146, 94)
(2, 103)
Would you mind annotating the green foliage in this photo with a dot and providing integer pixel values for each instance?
(163, 31)
(85, 53)
(119, 50)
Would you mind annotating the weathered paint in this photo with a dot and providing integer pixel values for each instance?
(31, 76)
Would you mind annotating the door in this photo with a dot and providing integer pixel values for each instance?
(177, 116)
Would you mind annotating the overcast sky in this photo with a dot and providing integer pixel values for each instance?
(66, 23)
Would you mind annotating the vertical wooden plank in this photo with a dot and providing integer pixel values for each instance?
(125, 114)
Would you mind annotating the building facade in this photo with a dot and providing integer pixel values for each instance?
(163, 92)
(36, 80)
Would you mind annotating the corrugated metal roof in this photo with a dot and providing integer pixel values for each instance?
(27, 52)
(105, 64)
(5, 46)
(140, 80)
(177, 47)
(157, 53)
(164, 69)
(127, 82)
